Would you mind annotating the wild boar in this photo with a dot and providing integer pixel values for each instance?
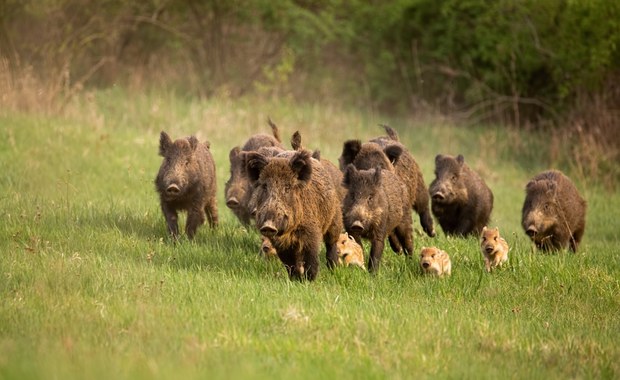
(349, 251)
(408, 170)
(376, 206)
(554, 213)
(392, 155)
(494, 248)
(237, 189)
(435, 262)
(461, 201)
(296, 206)
(186, 181)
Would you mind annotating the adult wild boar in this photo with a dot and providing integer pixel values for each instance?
(374, 208)
(392, 155)
(409, 171)
(461, 201)
(554, 213)
(237, 189)
(186, 181)
(296, 206)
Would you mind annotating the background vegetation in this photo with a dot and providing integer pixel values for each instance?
(91, 287)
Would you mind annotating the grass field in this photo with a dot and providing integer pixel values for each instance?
(91, 287)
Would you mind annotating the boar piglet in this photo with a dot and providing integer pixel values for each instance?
(186, 181)
(461, 201)
(296, 205)
(376, 206)
(554, 213)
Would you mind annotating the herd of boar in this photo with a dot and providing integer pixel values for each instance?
(298, 200)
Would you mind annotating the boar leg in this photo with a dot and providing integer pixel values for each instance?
(195, 218)
(395, 243)
(576, 239)
(376, 251)
(211, 211)
(404, 233)
(172, 219)
(330, 239)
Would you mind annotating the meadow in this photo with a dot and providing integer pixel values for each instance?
(92, 287)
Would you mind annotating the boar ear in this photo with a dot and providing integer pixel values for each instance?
(393, 153)
(438, 159)
(296, 141)
(193, 142)
(552, 188)
(350, 149)
(234, 153)
(316, 154)
(484, 229)
(460, 159)
(254, 164)
(301, 164)
(164, 143)
(348, 173)
(207, 144)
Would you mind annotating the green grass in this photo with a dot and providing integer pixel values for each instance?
(91, 287)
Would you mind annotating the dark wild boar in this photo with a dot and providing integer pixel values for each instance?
(554, 213)
(376, 206)
(237, 189)
(296, 207)
(186, 181)
(461, 201)
(409, 172)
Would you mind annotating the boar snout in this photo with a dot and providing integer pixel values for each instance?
(357, 227)
(232, 202)
(531, 231)
(268, 229)
(425, 264)
(173, 189)
(438, 196)
(489, 249)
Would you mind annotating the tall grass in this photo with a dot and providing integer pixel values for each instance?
(92, 287)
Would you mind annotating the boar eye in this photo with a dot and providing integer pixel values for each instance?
(433, 256)
(453, 179)
(187, 162)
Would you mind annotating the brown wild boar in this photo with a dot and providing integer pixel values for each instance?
(494, 248)
(186, 181)
(434, 261)
(349, 251)
(376, 206)
(554, 213)
(237, 189)
(296, 207)
(391, 155)
(408, 170)
(461, 201)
